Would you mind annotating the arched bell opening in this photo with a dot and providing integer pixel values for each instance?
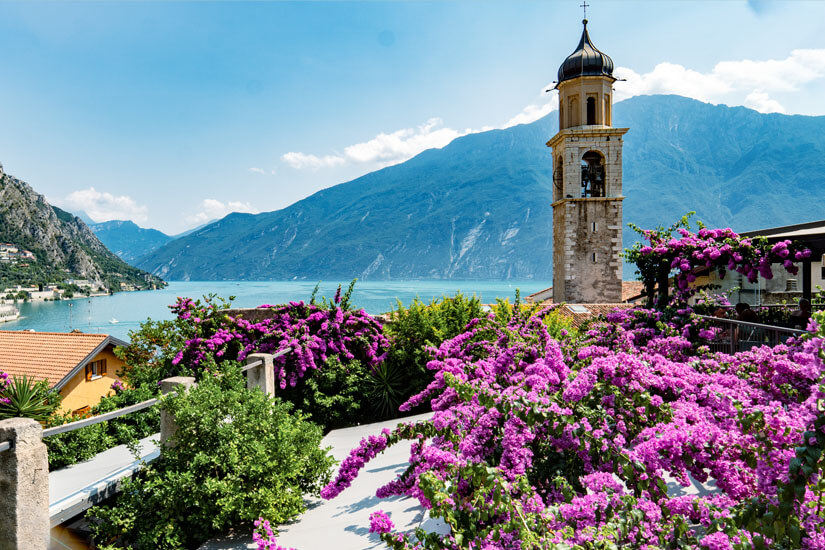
(593, 175)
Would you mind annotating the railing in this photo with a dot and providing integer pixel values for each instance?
(71, 426)
(24, 463)
(814, 306)
(735, 336)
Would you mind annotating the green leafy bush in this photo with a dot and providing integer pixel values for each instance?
(334, 396)
(237, 452)
(412, 330)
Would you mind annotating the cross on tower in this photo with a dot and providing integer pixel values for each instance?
(585, 5)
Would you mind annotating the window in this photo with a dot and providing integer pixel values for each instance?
(790, 285)
(594, 257)
(591, 110)
(95, 369)
(595, 227)
(82, 411)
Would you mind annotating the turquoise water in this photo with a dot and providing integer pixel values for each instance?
(131, 308)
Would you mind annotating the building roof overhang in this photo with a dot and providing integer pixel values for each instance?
(109, 341)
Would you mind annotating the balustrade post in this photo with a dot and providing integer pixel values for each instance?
(262, 376)
(168, 426)
(24, 486)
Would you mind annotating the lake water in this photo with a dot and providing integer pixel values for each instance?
(132, 308)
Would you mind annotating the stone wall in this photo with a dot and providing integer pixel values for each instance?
(582, 228)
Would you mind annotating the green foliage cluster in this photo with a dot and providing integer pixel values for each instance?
(334, 395)
(237, 453)
(560, 328)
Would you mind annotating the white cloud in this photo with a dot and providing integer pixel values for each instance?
(384, 149)
(402, 144)
(300, 161)
(103, 206)
(744, 82)
(261, 171)
(211, 209)
(759, 101)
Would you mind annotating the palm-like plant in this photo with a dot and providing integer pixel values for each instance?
(28, 398)
(384, 387)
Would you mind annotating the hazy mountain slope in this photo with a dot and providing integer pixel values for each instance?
(480, 207)
(63, 245)
(128, 240)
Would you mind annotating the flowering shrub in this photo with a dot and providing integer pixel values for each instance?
(264, 536)
(719, 249)
(537, 444)
(313, 334)
(336, 352)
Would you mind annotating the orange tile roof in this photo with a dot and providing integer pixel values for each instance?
(631, 289)
(49, 355)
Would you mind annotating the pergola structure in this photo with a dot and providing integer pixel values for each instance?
(811, 234)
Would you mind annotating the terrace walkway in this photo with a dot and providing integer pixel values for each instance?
(78, 487)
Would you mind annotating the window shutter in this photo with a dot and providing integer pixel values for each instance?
(103, 367)
(88, 372)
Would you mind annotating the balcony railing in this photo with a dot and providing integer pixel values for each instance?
(734, 336)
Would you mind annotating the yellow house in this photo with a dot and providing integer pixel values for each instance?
(82, 367)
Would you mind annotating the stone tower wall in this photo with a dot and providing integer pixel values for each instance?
(577, 277)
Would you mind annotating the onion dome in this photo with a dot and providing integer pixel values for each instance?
(587, 60)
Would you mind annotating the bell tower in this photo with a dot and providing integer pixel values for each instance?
(587, 181)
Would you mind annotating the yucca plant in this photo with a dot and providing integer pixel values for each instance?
(28, 398)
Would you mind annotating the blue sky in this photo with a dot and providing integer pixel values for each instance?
(174, 113)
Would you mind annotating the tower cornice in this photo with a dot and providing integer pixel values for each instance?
(584, 200)
(586, 131)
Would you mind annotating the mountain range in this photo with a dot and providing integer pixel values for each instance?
(479, 208)
(127, 240)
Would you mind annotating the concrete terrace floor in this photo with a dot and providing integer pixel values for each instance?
(343, 522)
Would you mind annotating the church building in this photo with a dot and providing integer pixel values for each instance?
(587, 181)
